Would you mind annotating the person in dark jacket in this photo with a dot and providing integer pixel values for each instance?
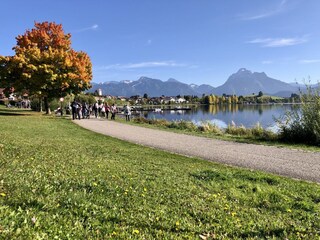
(74, 106)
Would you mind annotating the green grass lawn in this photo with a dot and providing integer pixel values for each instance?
(59, 181)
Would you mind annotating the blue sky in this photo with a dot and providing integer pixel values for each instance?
(193, 41)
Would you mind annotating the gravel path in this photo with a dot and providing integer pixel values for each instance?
(287, 162)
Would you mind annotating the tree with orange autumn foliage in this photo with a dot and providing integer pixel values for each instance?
(44, 64)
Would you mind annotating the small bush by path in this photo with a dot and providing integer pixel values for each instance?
(256, 135)
(257, 132)
(303, 126)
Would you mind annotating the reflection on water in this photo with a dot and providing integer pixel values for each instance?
(222, 115)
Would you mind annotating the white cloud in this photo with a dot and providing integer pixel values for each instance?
(278, 42)
(149, 42)
(307, 61)
(276, 10)
(144, 65)
(92, 28)
(267, 62)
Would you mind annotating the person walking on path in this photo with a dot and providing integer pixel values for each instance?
(79, 110)
(100, 106)
(107, 107)
(84, 110)
(113, 111)
(103, 110)
(127, 112)
(95, 109)
(74, 108)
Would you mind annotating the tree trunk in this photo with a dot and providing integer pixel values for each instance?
(46, 105)
(40, 104)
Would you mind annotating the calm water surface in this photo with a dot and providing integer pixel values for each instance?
(247, 115)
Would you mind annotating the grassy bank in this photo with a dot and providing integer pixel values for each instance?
(60, 181)
(255, 135)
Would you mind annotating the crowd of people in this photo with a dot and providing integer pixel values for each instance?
(97, 110)
(20, 104)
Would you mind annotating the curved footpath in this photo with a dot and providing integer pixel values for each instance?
(282, 161)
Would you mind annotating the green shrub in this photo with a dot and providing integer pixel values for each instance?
(54, 104)
(187, 125)
(182, 125)
(88, 98)
(259, 132)
(160, 122)
(303, 126)
(237, 130)
(140, 120)
(35, 103)
(210, 128)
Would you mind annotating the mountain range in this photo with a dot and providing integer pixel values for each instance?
(243, 82)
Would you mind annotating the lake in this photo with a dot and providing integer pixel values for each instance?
(222, 115)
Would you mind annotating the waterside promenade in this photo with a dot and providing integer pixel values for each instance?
(282, 161)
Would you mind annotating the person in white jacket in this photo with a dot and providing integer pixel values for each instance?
(127, 112)
(113, 111)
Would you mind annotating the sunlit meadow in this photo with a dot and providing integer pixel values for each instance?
(59, 181)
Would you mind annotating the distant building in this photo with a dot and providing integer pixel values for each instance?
(122, 98)
(180, 100)
(167, 100)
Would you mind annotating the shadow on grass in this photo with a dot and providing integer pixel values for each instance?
(14, 114)
(209, 175)
(5, 109)
(276, 232)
